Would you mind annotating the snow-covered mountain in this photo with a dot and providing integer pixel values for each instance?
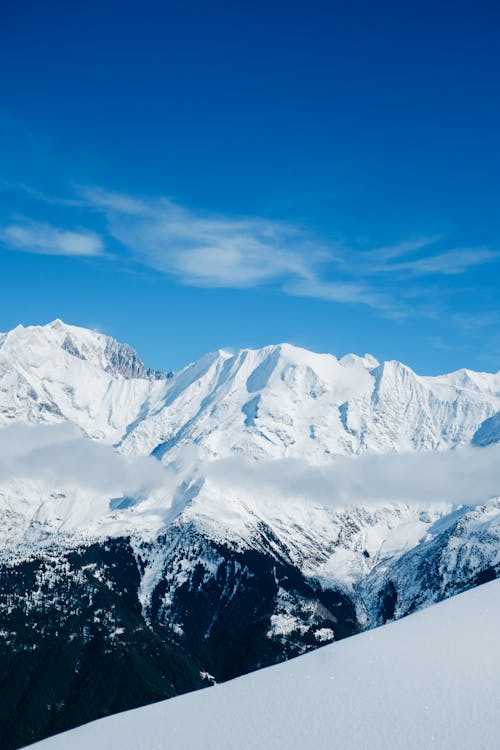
(171, 527)
(57, 372)
(431, 680)
(271, 402)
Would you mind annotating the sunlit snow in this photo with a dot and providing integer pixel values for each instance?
(431, 680)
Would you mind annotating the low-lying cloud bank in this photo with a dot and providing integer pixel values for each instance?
(60, 456)
(465, 475)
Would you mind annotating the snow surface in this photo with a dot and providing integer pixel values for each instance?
(431, 680)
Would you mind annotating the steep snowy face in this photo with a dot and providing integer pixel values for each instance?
(282, 401)
(271, 402)
(57, 372)
(278, 401)
(489, 432)
(458, 550)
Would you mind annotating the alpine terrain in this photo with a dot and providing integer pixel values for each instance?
(164, 531)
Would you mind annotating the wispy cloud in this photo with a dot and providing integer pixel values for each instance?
(213, 251)
(41, 238)
(400, 249)
(449, 263)
(472, 322)
(226, 251)
(218, 251)
(342, 292)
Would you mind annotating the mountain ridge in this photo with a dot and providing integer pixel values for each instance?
(275, 401)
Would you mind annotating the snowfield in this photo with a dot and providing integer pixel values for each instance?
(431, 680)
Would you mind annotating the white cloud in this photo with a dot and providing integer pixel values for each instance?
(213, 251)
(218, 251)
(106, 200)
(466, 475)
(61, 456)
(342, 292)
(231, 252)
(33, 237)
(401, 249)
(449, 263)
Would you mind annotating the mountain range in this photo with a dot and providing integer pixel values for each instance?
(164, 531)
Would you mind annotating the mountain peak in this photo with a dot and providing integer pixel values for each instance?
(40, 343)
(56, 324)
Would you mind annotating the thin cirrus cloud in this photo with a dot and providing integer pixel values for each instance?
(401, 249)
(393, 260)
(341, 292)
(45, 239)
(211, 251)
(218, 251)
(449, 263)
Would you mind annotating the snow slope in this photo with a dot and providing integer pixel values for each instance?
(429, 680)
(283, 401)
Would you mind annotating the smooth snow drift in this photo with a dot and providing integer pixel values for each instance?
(431, 680)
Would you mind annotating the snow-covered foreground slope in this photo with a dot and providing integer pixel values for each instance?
(431, 680)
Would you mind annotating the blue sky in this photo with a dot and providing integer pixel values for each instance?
(189, 175)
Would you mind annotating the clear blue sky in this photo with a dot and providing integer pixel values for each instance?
(193, 175)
